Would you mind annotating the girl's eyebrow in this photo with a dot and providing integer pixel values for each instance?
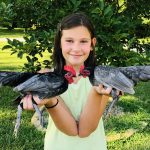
(80, 39)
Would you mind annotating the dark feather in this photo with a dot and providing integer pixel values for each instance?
(136, 73)
(121, 78)
(13, 79)
(44, 85)
(112, 77)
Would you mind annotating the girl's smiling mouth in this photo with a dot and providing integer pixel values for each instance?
(75, 55)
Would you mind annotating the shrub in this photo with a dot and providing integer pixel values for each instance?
(117, 45)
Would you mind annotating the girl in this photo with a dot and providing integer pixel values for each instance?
(75, 117)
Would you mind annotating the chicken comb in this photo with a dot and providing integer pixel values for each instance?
(70, 69)
(84, 72)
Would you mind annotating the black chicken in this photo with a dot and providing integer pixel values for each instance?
(51, 84)
(122, 78)
(44, 85)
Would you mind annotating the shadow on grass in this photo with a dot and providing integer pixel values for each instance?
(28, 136)
(140, 101)
(136, 109)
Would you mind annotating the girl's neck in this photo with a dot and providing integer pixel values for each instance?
(77, 78)
(76, 68)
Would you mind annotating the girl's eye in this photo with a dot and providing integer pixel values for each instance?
(84, 41)
(69, 41)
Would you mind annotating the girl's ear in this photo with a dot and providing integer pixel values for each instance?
(93, 43)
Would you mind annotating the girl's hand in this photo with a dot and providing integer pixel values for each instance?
(103, 91)
(106, 91)
(28, 101)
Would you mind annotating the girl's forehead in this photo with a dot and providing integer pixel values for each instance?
(79, 31)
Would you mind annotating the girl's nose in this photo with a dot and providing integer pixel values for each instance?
(76, 47)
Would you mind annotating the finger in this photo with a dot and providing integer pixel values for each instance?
(100, 86)
(103, 91)
(108, 90)
(117, 92)
(25, 104)
(29, 102)
(36, 99)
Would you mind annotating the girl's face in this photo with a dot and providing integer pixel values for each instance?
(76, 44)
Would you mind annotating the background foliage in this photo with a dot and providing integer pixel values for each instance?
(6, 15)
(119, 26)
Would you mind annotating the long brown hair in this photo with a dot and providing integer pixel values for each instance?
(68, 22)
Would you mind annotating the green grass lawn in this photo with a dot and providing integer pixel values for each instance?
(5, 33)
(8, 61)
(136, 112)
(12, 62)
(28, 136)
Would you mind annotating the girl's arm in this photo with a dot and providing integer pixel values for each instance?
(62, 117)
(89, 118)
(93, 110)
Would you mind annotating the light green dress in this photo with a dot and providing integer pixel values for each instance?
(75, 98)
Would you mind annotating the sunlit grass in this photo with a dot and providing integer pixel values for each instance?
(2, 43)
(8, 61)
(139, 141)
(12, 62)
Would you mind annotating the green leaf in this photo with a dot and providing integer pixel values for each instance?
(96, 11)
(9, 41)
(20, 54)
(6, 47)
(3, 5)
(101, 4)
(15, 42)
(35, 58)
(108, 10)
(13, 52)
(28, 58)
